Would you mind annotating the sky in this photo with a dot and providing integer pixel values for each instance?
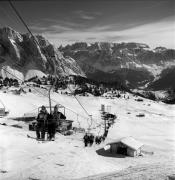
(68, 21)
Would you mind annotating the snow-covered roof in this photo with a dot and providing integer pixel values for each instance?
(130, 142)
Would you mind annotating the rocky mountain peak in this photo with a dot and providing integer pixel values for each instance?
(134, 62)
(8, 32)
(20, 52)
(160, 49)
(43, 42)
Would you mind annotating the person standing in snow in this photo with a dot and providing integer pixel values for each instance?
(41, 123)
(86, 139)
(91, 139)
(97, 139)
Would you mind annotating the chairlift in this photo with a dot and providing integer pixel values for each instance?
(60, 107)
(64, 125)
(53, 56)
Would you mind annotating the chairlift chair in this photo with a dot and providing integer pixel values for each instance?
(60, 107)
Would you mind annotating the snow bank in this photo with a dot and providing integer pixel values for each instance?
(32, 73)
(9, 72)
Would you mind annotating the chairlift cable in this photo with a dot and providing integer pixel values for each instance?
(52, 86)
(41, 92)
(21, 19)
(19, 16)
(73, 94)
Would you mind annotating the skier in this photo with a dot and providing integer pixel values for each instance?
(53, 123)
(105, 133)
(91, 139)
(86, 139)
(97, 139)
(102, 138)
(41, 123)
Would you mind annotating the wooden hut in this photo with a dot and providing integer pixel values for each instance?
(2, 111)
(126, 146)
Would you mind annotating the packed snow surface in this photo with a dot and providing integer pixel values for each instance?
(67, 158)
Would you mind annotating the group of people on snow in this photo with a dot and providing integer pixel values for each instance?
(48, 122)
(89, 139)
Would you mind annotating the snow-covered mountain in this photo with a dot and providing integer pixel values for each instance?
(21, 56)
(133, 63)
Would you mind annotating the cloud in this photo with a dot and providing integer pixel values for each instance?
(58, 28)
(50, 29)
(86, 15)
(160, 33)
(38, 28)
(67, 23)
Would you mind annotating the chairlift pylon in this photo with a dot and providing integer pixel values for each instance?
(50, 103)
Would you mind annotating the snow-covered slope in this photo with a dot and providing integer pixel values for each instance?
(66, 158)
(9, 72)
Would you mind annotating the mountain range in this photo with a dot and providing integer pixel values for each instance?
(24, 56)
(135, 65)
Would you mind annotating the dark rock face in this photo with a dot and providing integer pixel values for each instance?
(133, 63)
(9, 33)
(167, 80)
(22, 53)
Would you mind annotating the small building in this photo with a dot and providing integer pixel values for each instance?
(126, 146)
(2, 112)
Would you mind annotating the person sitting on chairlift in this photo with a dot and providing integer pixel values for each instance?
(53, 122)
(41, 123)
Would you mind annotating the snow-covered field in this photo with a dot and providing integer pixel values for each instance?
(66, 158)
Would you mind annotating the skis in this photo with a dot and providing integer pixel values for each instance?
(39, 140)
